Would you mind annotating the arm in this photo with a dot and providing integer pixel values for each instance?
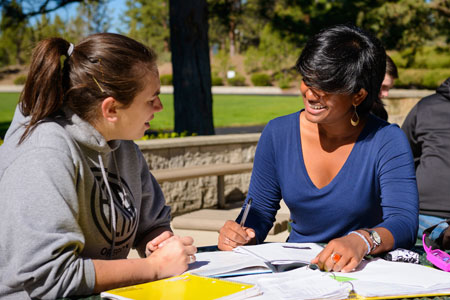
(154, 213)
(41, 207)
(399, 202)
(265, 192)
(409, 128)
(170, 260)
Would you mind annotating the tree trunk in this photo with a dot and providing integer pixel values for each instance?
(191, 66)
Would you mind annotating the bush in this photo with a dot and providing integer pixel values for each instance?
(421, 78)
(21, 79)
(261, 79)
(166, 79)
(166, 135)
(237, 80)
(216, 80)
(1, 142)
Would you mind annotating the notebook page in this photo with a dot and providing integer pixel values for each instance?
(280, 253)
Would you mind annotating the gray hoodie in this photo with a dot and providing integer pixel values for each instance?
(57, 191)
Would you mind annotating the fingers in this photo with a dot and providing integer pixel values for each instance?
(185, 240)
(232, 235)
(340, 255)
(157, 241)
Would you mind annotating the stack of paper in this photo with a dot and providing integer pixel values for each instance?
(381, 278)
(301, 283)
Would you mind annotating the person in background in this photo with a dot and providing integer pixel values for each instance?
(427, 127)
(346, 176)
(75, 190)
(388, 82)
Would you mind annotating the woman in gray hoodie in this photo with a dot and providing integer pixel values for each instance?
(75, 191)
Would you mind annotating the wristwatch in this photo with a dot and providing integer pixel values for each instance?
(374, 237)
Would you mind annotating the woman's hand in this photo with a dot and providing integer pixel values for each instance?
(232, 235)
(172, 256)
(343, 254)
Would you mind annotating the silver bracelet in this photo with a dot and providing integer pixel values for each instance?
(363, 238)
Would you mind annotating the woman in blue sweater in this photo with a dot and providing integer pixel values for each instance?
(347, 177)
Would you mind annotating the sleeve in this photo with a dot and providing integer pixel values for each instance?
(409, 128)
(399, 195)
(264, 187)
(41, 240)
(154, 212)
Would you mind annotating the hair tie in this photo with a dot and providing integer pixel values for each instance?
(70, 50)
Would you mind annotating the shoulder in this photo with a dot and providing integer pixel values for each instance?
(382, 132)
(45, 143)
(285, 120)
(282, 125)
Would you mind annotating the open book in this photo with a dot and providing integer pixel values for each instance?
(246, 260)
(186, 287)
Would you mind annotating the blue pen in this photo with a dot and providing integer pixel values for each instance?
(246, 210)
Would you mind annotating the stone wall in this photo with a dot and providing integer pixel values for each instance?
(400, 102)
(189, 195)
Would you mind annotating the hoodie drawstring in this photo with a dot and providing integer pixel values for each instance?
(112, 205)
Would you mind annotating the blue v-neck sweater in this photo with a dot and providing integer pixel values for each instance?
(376, 186)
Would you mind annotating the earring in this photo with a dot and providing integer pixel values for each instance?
(353, 122)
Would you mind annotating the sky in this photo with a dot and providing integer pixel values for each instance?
(117, 7)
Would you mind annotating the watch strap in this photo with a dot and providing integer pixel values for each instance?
(375, 243)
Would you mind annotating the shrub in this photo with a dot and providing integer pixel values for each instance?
(237, 80)
(1, 141)
(421, 78)
(21, 79)
(166, 135)
(166, 79)
(216, 80)
(261, 79)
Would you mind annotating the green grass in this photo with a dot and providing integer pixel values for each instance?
(228, 110)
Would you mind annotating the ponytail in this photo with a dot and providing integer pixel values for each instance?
(43, 92)
(102, 65)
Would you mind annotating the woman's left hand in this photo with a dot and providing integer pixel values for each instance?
(343, 254)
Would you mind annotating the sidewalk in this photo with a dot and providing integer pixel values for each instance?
(260, 90)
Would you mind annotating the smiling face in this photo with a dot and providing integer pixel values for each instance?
(135, 119)
(321, 107)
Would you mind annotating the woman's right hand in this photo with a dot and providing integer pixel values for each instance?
(172, 258)
(232, 235)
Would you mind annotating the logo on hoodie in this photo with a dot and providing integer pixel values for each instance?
(124, 215)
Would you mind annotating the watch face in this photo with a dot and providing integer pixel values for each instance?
(376, 237)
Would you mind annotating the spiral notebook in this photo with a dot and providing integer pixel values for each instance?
(185, 287)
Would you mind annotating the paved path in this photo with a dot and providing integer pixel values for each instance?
(261, 90)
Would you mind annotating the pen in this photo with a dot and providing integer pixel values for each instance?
(296, 247)
(246, 210)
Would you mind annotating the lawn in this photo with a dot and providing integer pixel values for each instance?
(228, 110)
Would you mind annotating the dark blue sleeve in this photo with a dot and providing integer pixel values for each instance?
(399, 196)
(264, 187)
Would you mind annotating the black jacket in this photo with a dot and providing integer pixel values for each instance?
(427, 127)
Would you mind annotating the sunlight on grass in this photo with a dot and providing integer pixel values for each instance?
(228, 110)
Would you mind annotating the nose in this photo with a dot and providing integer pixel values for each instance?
(157, 105)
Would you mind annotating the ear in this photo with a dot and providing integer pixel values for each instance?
(109, 109)
(359, 97)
